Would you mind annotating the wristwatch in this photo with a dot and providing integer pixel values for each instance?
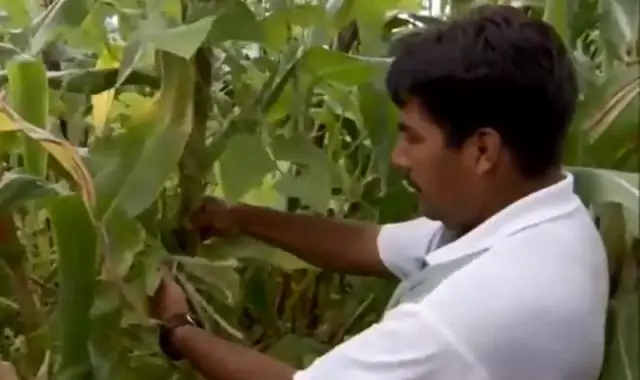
(167, 328)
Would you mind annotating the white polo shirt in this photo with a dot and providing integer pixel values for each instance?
(532, 307)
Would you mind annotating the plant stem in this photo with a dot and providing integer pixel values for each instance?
(192, 163)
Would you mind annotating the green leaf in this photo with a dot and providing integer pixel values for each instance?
(93, 81)
(312, 187)
(556, 13)
(343, 68)
(152, 258)
(8, 305)
(132, 54)
(63, 13)
(277, 24)
(7, 52)
(619, 21)
(371, 19)
(623, 321)
(225, 282)
(17, 188)
(29, 98)
(311, 180)
(235, 21)
(66, 156)
(126, 238)
(76, 241)
(200, 303)
(615, 146)
(599, 111)
(598, 186)
(243, 165)
(17, 14)
(614, 107)
(273, 89)
(183, 40)
(379, 118)
(298, 350)
(245, 248)
(147, 152)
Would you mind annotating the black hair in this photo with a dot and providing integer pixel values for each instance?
(494, 67)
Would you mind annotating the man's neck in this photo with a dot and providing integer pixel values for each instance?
(511, 193)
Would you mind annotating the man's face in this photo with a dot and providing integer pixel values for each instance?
(450, 183)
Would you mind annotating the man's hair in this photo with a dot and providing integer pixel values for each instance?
(495, 67)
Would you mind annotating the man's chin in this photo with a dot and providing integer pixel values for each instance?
(426, 211)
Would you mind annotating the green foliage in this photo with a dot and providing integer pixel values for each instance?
(120, 115)
(76, 242)
(613, 197)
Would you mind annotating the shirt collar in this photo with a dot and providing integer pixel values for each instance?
(547, 203)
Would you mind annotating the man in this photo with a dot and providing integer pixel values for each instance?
(504, 278)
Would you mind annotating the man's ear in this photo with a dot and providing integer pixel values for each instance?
(487, 149)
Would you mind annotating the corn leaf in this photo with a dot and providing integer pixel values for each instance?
(76, 240)
(102, 102)
(17, 188)
(151, 146)
(63, 152)
(29, 98)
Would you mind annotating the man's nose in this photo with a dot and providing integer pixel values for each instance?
(399, 157)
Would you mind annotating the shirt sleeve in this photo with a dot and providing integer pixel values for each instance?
(403, 246)
(406, 345)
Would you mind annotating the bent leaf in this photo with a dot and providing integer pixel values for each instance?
(183, 40)
(63, 152)
(148, 151)
(17, 188)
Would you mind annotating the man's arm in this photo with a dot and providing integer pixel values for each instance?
(333, 244)
(217, 359)
(407, 344)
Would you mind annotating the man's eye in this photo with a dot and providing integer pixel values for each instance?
(412, 137)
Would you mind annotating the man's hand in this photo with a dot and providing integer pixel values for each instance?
(328, 243)
(214, 218)
(170, 299)
(212, 357)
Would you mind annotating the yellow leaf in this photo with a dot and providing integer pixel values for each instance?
(102, 102)
(63, 152)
